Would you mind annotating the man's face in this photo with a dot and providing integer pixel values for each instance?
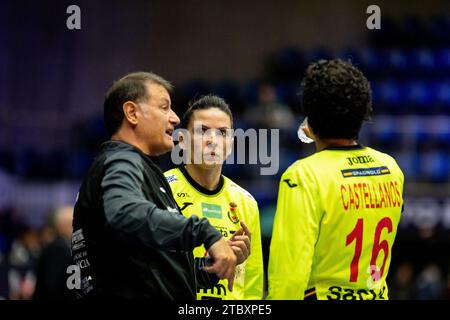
(211, 137)
(157, 121)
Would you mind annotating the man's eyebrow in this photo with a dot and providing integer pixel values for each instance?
(165, 100)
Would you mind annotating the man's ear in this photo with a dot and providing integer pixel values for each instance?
(130, 111)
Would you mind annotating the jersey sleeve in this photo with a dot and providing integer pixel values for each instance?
(295, 232)
(254, 270)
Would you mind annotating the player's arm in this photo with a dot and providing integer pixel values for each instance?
(295, 231)
(254, 270)
(205, 280)
(138, 220)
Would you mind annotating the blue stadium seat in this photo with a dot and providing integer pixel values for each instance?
(385, 130)
(435, 166)
(442, 57)
(419, 130)
(391, 94)
(441, 130)
(370, 60)
(419, 94)
(442, 92)
(423, 60)
(395, 61)
(408, 162)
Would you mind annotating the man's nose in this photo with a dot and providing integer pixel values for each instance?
(173, 118)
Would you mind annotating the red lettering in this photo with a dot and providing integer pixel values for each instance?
(377, 204)
(366, 195)
(392, 192)
(387, 194)
(352, 198)
(344, 204)
(397, 191)
(355, 186)
(372, 205)
(380, 188)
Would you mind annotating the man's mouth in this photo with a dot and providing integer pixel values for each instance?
(169, 132)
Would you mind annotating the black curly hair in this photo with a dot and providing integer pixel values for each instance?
(336, 98)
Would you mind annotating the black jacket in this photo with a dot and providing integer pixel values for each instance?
(130, 239)
(51, 273)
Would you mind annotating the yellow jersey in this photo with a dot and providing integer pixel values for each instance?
(335, 224)
(224, 207)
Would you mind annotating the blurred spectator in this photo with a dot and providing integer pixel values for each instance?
(402, 287)
(22, 261)
(447, 289)
(55, 258)
(430, 283)
(269, 112)
(3, 277)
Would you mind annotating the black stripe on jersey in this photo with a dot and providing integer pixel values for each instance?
(200, 188)
(352, 147)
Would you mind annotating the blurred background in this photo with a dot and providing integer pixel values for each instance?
(252, 53)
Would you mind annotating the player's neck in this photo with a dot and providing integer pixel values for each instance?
(208, 178)
(325, 143)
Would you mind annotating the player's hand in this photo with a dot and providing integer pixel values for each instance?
(240, 243)
(223, 261)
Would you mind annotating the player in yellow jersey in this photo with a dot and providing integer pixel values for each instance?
(200, 188)
(338, 209)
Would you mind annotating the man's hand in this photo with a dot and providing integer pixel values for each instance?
(240, 243)
(223, 261)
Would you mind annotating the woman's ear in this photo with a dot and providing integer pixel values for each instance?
(182, 139)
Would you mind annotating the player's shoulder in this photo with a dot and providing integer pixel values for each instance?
(379, 154)
(303, 164)
(237, 189)
(382, 157)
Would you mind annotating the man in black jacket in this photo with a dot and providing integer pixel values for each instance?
(129, 238)
(55, 258)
